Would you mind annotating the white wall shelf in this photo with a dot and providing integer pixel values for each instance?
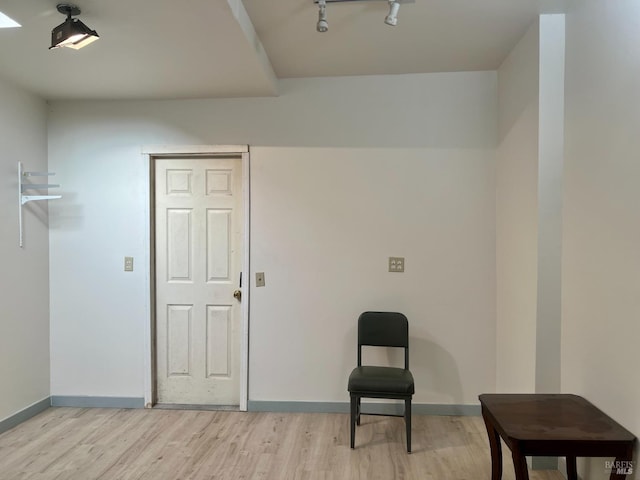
(25, 198)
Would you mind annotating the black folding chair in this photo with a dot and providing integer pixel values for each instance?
(381, 329)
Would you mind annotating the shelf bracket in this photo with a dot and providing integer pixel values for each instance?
(23, 199)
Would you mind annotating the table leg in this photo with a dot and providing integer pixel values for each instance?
(519, 464)
(572, 471)
(496, 448)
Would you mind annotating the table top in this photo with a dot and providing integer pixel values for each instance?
(552, 417)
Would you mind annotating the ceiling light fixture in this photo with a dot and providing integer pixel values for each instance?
(322, 25)
(392, 18)
(72, 33)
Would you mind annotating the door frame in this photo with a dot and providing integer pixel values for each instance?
(150, 154)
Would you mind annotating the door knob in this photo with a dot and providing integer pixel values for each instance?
(237, 295)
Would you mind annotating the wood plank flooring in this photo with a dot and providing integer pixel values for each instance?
(112, 444)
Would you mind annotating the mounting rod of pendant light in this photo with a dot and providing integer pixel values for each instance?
(72, 33)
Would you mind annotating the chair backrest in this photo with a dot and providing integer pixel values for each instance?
(383, 329)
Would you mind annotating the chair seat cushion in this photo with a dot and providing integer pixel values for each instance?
(368, 379)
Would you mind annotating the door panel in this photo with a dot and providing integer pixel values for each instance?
(178, 339)
(218, 348)
(218, 240)
(198, 263)
(179, 244)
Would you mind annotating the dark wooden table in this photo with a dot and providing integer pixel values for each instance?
(555, 425)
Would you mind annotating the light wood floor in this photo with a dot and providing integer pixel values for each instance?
(111, 444)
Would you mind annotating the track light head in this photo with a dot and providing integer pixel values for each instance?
(392, 18)
(322, 25)
(72, 33)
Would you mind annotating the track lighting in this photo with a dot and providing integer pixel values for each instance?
(72, 33)
(392, 18)
(323, 25)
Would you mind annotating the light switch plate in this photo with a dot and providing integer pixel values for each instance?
(128, 264)
(260, 279)
(396, 264)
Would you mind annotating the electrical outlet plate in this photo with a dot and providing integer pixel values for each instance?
(396, 264)
(128, 264)
(260, 279)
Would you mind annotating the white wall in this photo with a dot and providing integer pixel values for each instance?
(325, 220)
(601, 254)
(517, 214)
(529, 209)
(24, 276)
(419, 162)
(550, 170)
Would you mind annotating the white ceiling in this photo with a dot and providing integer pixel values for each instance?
(214, 48)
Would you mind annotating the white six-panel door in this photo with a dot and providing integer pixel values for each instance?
(198, 225)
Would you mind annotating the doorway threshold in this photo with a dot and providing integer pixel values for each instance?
(185, 406)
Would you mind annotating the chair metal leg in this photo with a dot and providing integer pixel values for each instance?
(407, 421)
(359, 409)
(352, 420)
